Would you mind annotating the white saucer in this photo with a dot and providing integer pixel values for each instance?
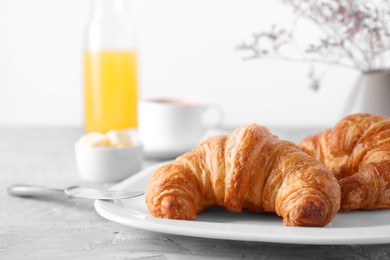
(164, 154)
(171, 153)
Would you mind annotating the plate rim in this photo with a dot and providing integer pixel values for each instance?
(292, 235)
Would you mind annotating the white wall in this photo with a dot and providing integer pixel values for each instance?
(187, 47)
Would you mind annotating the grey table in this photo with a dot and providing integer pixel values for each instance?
(71, 229)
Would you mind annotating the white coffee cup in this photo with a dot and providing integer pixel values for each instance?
(169, 127)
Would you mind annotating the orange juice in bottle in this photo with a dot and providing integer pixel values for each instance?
(110, 90)
(110, 70)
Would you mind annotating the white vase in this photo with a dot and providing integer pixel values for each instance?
(370, 94)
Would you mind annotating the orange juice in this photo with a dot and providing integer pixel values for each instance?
(110, 90)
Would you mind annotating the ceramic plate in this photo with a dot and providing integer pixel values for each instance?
(360, 227)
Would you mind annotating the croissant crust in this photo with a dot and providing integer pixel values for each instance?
(249, 169)
(357, 152)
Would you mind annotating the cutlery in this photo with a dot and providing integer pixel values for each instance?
(72, 191)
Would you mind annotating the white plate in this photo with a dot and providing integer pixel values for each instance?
(359, 227)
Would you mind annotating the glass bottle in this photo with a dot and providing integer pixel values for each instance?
(110, 69)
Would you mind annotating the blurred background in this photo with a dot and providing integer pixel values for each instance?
(186, 48)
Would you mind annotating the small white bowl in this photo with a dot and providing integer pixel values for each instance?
(108, 164)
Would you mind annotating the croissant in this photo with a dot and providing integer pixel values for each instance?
(249, 169)
(357, 152)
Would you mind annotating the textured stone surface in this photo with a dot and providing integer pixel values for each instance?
(71, 229)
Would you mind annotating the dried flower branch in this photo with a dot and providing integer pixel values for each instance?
(356, 33)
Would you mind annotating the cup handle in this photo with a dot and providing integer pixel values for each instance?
(219, 118)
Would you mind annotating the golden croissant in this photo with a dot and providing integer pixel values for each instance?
(249, 169)
(357, 152)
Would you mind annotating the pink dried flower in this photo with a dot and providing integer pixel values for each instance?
(356, 34)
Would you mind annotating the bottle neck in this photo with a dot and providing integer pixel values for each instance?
(107, 7)
(108, 27)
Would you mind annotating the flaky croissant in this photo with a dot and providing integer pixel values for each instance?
(250, 169)
(357, 152)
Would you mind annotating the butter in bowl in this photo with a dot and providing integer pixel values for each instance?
(108, 157)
